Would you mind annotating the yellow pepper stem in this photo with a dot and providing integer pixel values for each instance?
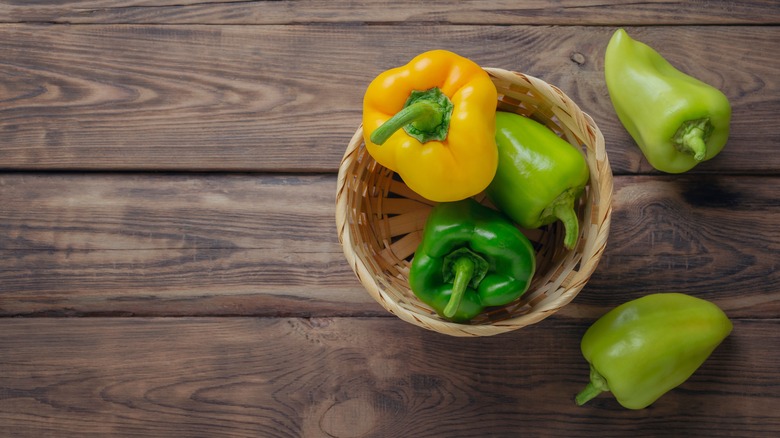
(425, 117)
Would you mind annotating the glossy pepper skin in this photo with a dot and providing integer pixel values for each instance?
(432, 121)
(470, 257)
(676, 120)
(539, 175)
(643, 348)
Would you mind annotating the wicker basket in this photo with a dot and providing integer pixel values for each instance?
(380, 220)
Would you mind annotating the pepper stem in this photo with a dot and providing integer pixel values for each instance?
(425, 116)
(691, 137)
(590, 392)
(694, 141)
(596, 386)
(570, 223)
(464, 270)
(562, 208)
(462, 267)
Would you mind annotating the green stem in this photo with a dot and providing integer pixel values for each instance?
(421, 113)
(590, 392)
(691, 137)
(596, 386)
(562, 208)
(464, 270)
(570, 223)
(425, 116)
(693, 141)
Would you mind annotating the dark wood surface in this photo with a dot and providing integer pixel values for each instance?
(169, 264)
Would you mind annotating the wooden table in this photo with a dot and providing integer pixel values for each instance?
(169, 264)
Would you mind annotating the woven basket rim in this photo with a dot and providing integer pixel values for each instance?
(586, 255)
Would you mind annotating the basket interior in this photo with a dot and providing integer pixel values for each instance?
(390, 219)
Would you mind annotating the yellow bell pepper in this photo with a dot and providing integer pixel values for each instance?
(432, 121)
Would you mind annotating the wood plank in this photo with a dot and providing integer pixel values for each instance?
(505, 12)
(707, 235)
(284, 377)
(146, 244)
(288, 98)
(266, 245)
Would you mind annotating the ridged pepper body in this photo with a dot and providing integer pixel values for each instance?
(470, 257)
(445, 105)
(676, 120)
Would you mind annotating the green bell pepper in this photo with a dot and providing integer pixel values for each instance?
(644, 348)
(539, 175)
(676, 120)
(470, 257)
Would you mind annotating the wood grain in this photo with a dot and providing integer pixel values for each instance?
(215, 300)
(533, 12)
(288, 98)
(134, 244)
(708, 235)
(345, 377)
(139, 244)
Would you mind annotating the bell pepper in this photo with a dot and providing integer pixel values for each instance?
(644, 348)
(470, 257)
(539, 175)
(676, 120)
(432, 122)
